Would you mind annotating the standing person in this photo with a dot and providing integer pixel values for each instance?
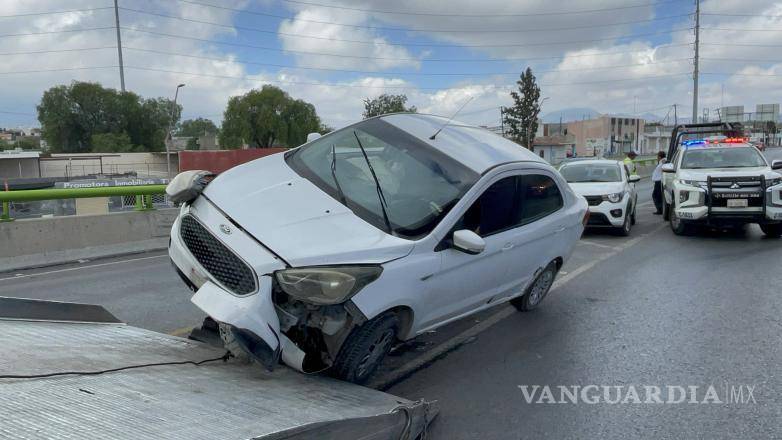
(657, 180)
(630, 157)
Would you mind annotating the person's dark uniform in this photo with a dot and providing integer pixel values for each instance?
(657, 180)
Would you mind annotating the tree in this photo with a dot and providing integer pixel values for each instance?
(265, 118)
(194, 129)
(71, 115)
(112, 143)
(522, 117)
(385, 104)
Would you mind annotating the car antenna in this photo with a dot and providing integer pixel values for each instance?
(450, 119)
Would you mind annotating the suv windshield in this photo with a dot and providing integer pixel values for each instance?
(722, 157)
(591, 172)
(419, 183)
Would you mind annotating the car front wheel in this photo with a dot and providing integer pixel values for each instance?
(773, 230)
(365, 349)
(537, 290)
(678, 226)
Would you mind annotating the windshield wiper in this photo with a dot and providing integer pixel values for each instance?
(377, 184)
(341, 194)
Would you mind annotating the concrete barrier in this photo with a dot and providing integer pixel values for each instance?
(45, 241)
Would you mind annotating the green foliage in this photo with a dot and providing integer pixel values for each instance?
(112, 143)
(71, 115)
(194, 129)
(385, 104)
(265, 118)
(522, 118)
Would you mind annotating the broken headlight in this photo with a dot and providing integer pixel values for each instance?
(326, 284)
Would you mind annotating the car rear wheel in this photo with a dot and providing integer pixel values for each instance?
(365, 349)
(537, 290)
(773, 230)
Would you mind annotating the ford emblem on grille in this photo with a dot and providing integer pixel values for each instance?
(225, 228)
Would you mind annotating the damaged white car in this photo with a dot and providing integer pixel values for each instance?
(324, 256)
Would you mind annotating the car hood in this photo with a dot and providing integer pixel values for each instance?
(596, 188)
(295, 219)
(702, 175)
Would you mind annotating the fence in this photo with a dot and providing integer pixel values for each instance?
(142, 197)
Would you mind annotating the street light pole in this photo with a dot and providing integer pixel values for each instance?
(169, 139)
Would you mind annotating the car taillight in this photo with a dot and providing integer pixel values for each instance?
(586, 218)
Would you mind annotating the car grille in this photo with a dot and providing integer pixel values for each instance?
(225, 266)
(594, 200)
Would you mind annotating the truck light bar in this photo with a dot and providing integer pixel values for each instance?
(699, 142)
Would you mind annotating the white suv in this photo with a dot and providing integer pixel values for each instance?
(608, 188)
(325, 255)
(722, 182)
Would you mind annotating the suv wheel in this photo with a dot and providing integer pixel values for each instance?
(666, 211)
(366, 347)
(773, 230)
(537, 290)
(678, 226)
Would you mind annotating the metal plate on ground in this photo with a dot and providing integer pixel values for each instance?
(216, 400)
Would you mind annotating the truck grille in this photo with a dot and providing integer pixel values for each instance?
(594, 200)
(225, 266)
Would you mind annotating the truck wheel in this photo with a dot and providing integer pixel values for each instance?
(666, 211)
(365, 349)
(537, 290)
(773, 230)
(677, 225)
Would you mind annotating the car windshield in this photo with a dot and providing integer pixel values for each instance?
(721, 157)
(591, 172)
(419, 183)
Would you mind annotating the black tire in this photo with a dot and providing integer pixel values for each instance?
(624, 230)
(632, 217)
(772, 230)
(365, 349)
(678, 226)
(537, 290)
(666, 211)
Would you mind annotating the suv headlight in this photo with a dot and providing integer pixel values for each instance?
(613, 198)
(774, 181)
(695, 183)
(326, 284)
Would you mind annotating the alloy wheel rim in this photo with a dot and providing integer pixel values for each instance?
(375, 351)
(540, 287)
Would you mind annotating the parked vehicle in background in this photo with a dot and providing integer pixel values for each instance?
(608, 188)
(722, 181)
(327, 254)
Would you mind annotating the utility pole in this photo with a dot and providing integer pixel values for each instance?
(675, 116)
(119, 48)
(695, 72)
(502, 122)
(169, 137)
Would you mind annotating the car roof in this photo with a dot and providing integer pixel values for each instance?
(475, 147)
(594, 162)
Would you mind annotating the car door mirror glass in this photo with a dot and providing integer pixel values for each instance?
(468, 241)
(668, 168)
(776, 165)
(634, 178)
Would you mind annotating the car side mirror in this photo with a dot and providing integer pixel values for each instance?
(312, 136)
(468, 241)
(668, 168)
(634, 178)
(776, 165)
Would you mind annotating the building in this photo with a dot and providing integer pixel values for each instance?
(656, 137)
(609, 135)
(16, 164)
(554, 149)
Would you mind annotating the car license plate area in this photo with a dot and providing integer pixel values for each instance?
(737, 203)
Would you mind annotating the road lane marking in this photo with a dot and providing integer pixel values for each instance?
(507, 310)
(30, 275)
(604, 246)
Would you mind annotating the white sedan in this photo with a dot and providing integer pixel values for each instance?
(325, 255)
(609, 188)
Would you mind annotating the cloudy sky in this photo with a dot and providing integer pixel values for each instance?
(615, 56)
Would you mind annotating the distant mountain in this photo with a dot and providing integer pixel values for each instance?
(571, 114)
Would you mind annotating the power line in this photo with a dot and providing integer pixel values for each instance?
(440, 14)
(771, 75)
(58, 69)
(6, 112)
(741, 44)
(66, 11)
(26, 34)
(274, 49)
(525, 30)
(37, 52)
(284, 66)
(288, 17)
(740, 15)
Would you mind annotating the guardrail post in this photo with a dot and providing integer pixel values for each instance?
(6, 215)
(139, 203)
(148, 203)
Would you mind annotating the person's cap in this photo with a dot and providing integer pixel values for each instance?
(632, 153)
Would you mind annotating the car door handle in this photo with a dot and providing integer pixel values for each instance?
(507, 247)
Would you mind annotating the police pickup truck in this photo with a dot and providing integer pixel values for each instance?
(721, 181)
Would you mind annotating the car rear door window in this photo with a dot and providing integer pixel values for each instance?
(539, 196)
(495, 210)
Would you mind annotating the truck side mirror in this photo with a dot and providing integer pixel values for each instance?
(776, 165)
(468, 241)
(668, 168)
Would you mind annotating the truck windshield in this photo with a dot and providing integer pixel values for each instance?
(591, 172)
(419, 183)
(725, 157)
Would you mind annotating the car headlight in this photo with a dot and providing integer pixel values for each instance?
(774, 181)
(695, 183)
(326, 285)
(614, 198)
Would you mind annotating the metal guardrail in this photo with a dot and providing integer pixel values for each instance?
(143, 195)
